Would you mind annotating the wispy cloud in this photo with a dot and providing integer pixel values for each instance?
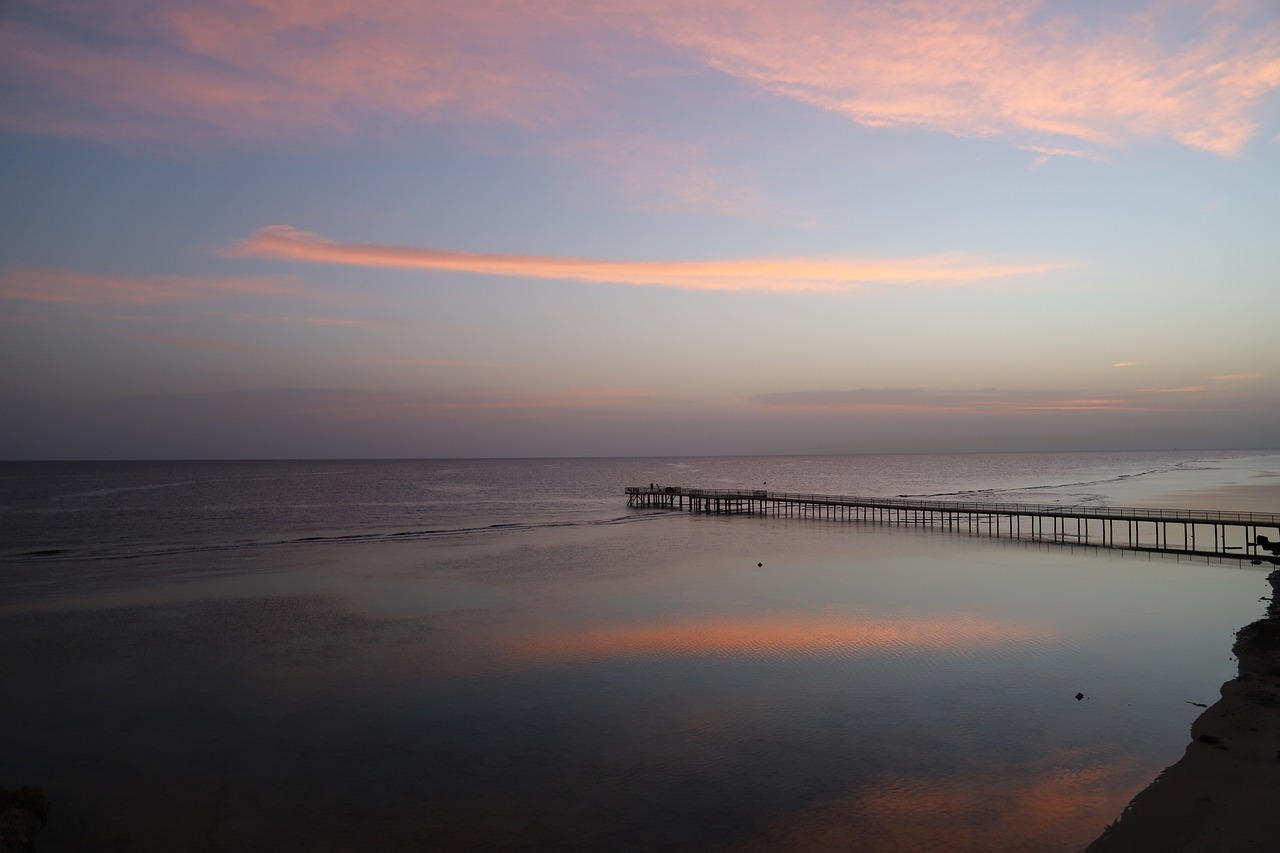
(1033, 73)
(340, 321)
(938, 400)
(1105, 75)
(1127, 364)
(1001, 401)
(1238, 377)
(151, 70)
(666, 175)
(763, 274)
(1045, 154)
(52, 285)
(374, 405)
(1185, 389)
(193, 343)
(390, 361)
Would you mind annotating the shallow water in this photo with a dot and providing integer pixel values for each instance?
(588, 677)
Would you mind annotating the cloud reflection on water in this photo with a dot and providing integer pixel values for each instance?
(1060, 803)
(775, 635)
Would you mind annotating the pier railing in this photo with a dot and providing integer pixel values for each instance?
(1262, 519)
(1202, 532)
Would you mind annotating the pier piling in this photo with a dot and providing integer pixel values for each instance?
(1238, 535)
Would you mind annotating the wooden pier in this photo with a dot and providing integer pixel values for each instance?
(1205, 533)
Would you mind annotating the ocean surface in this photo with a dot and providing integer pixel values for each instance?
(501, 655)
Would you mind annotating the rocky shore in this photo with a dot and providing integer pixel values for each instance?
(1223, 793)
(23, 813)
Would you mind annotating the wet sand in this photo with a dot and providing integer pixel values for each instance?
(1245, 486)
(1260, 496)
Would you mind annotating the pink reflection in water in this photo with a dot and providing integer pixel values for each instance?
(784, 634)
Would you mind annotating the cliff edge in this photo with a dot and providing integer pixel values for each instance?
(1224, 793)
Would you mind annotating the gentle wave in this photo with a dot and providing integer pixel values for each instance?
(52, 555)
(1189, 465)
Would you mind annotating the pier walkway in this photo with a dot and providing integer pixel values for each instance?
(1206, 533)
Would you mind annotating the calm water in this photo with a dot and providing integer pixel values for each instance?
(498, 654)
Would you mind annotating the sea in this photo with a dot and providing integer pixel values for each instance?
(500, 654)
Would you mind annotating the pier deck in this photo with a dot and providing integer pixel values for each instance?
(1207, 533)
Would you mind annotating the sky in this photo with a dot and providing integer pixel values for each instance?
(278, 229)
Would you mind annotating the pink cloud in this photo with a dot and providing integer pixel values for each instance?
(1092, 75)
(1045, 153)
(154, 70)
(762, 274)
(1127, 363)
(1009, 68)
(52, 285)
(1238, 377)
(1002, 401)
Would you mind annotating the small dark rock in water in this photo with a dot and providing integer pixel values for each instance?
(1079, 696)
(758, 565)
(23, 813)
(1198, 704)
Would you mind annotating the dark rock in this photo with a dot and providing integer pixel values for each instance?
(1262, 697)
(1079, 696)
(23, 813)
(1209, 739)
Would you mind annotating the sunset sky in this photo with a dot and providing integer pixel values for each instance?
(567, 228)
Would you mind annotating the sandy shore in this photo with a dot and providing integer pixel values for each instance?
(1260, 496)
(1222, 794)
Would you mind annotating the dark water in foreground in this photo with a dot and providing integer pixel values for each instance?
(500, 655)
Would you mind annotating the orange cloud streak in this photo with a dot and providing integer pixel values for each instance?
(763, 274)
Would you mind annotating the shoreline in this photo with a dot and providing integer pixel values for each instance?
(1221, 794)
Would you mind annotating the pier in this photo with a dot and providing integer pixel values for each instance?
(1204, 533)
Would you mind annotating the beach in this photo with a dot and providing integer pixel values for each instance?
(1220, 795)
(566, 674)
